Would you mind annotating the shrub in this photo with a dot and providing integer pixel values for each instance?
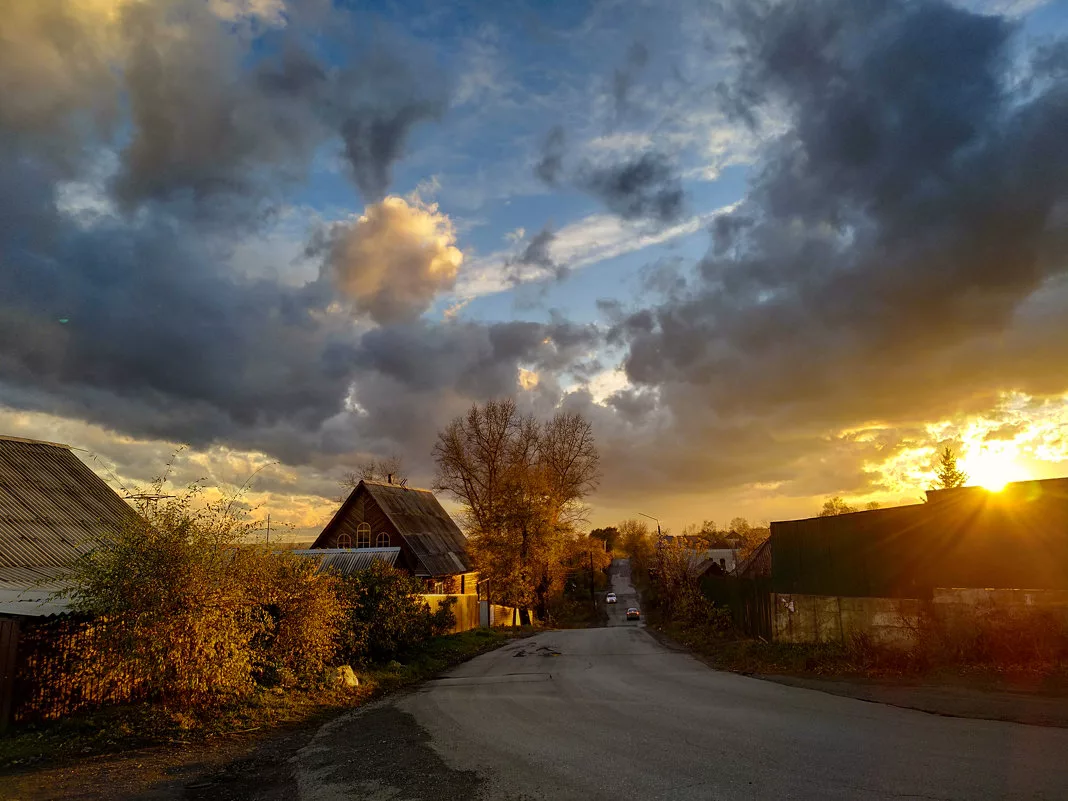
(185, 615)
(385, 615)
(302, 616)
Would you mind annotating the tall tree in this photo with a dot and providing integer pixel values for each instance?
(947, 475)
(522, 483)
(609, 535)
(835, 506)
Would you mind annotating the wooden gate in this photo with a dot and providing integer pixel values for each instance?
(749, 600)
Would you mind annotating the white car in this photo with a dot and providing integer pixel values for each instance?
(610, 598)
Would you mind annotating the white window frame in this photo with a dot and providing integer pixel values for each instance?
(363, 535)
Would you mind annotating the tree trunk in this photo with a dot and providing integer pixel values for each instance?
(524, 617)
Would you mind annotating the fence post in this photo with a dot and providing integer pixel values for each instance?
(9, 649)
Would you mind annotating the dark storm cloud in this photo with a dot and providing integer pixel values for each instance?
(204, 125)
(118, 303)
(913, 207)
(647, 186)
(551, 162)
(901, 256)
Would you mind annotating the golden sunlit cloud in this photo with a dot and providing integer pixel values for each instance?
(395, 258)
(528, 379)
(1018, 440)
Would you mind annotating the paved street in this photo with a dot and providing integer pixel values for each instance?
(625, 592)
(609, 713)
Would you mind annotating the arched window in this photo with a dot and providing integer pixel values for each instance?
(363, 535)
(344, 541)
(382, 540)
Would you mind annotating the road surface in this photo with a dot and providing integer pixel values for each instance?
(625, 593)
(609, 713)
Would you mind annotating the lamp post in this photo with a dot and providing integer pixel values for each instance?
(658, 534)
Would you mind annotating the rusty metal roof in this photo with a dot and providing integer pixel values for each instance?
(52, 509)
(435, 540)
(348, 560)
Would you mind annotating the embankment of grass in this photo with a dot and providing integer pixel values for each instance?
(266, 712)
(864, 661)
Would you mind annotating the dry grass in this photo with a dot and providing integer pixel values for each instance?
(265, 712)
(991, 647)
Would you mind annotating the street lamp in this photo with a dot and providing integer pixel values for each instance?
(658, 534)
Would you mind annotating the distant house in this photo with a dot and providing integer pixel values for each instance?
(53, 508)
(718, 561)
(406, 527)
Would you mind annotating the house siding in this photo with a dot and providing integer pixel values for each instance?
(365, 510)
(432, 548)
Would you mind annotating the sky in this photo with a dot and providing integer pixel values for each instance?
(774, 251)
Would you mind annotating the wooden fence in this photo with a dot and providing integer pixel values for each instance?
(749, 600)
(58, 672)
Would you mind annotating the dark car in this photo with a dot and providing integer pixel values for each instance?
(633, 614)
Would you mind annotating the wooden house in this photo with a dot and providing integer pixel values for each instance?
(383, 516)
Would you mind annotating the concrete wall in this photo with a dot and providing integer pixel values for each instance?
(825, 618)
(893, 621)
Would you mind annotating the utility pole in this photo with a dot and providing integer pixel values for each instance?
(593, 594)
(268, 528)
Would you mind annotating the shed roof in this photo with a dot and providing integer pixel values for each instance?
(431, 535)
(348, 560)
(52, 509)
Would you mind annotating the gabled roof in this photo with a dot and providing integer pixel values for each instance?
(347, 561)
(428, 531)
(52, 509)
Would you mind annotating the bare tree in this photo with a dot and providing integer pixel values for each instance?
(389, 468)
(522, 483)
(835, 506)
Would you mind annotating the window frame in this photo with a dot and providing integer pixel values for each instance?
(363, 535)
(344, 541)
(378, 539)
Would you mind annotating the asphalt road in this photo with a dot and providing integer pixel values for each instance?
(609, 713)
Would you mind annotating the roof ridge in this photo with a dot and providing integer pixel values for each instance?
(374, 483)
(11, 438)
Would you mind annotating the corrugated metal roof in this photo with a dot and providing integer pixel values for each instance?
(52, 509)
(429, 532)
(348, 560)
(32, 601)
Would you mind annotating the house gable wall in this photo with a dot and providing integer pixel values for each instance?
(362, 508)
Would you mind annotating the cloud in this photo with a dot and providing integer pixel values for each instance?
(587, 241)
(647, 186)
(623, 78)
(551, 162)
(898, 255)
(197, 115)
(535, 260)
(395, 259)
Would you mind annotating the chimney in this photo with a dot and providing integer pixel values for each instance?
(389, 478)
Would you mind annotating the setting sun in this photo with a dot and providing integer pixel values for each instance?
(993, 467)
